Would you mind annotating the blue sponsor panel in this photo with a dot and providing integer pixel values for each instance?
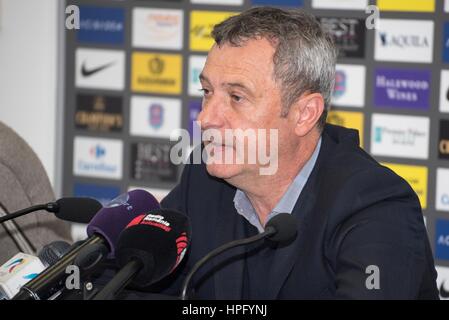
(290, 3)
(442, 239)
(103, 194)
(101, 25)
(397, 88)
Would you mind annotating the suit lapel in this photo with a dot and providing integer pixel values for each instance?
(286, 257)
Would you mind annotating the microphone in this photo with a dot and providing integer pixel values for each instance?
(51, 253)
(103, 230)
(279, 229)
(90, 257)
(150, 248)
(16, 272)
(23, 267)
(80, 210)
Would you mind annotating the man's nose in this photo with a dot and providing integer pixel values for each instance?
(211, 115)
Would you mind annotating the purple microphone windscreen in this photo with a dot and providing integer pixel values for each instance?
(117, 214)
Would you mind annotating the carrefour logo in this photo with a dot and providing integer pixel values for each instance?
(445, 199)
(442, 195)
(96, 157)
(97, 152)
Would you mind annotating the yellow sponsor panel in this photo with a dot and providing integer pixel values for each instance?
(407, 5)
(201, 25)
(347, 119)
(416, 176)
(156, 73)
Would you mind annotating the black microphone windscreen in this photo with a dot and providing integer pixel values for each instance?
(159, 239)
(52, 252)
(285, 226)
(79, 210)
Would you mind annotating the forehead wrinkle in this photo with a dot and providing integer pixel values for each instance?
(251, 64)
(237, 76)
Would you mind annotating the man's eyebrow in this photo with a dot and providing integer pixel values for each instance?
(203, 77)
(236, 84)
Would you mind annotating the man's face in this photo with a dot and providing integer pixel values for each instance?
(240, 93)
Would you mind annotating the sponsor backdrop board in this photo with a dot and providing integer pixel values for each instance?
(131, 78)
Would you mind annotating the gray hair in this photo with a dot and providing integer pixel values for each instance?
(305, 56)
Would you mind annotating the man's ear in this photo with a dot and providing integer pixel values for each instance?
(308, 110)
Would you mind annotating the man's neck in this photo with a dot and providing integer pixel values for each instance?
(265, 191)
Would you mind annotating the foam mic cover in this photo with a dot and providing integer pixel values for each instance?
(52, 252)
(117, 214)
(159, 240)
(285, 226)
(79, 210)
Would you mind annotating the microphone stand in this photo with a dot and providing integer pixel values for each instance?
(236, 243)
(50, 207)
(120, 280)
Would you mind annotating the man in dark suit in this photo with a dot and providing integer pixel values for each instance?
(360, 227)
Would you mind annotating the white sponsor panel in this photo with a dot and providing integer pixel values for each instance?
(340, 4)
(96, 157)
(219, 2)
(400, 136)
(196, 65)
(155, 116)
(349, 86)
(159, 194)
(443, 282)
(442, 193)
(100, 69)
(158, 28)
(404, 40)
(444, 91)
(446, 5)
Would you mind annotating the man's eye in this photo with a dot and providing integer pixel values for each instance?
(236, 98)
(204, 91)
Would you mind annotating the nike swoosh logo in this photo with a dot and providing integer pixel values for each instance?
(88, 72)
(443, 292)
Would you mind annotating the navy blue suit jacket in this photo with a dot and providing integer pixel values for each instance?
(352, 213)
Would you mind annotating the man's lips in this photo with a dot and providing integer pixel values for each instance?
(216, 145)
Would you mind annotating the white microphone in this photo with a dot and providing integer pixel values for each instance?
(16, 272)
(22, 268)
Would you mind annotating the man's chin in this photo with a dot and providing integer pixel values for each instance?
(223, 171)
